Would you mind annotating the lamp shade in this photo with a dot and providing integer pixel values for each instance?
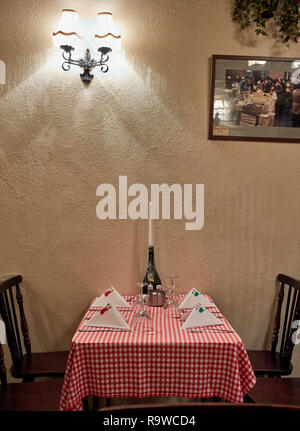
(107, 32)
(67, 32)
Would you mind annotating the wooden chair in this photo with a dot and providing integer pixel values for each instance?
(26, 366)
(276, 391)
(272, 363)
(28, 396)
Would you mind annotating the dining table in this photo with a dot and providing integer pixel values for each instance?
(166, 362)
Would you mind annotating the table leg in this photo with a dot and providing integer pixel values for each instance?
(95, 405)
(85, 403)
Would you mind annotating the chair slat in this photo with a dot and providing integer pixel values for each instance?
(24, 326)
(11, 339)
(15, 322)
(276, 326)
(289, 345)
(285, 320)
(291, 316)
(292, 310)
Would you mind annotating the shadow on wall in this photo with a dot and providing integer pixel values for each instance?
(168, 58)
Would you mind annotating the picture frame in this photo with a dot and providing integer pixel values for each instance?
(255, 98)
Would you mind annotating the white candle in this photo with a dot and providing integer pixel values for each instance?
(150, 224)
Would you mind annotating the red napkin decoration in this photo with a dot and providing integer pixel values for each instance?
(104, 310)
(107, 292)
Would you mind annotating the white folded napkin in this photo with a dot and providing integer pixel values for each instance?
(193, 298)
(112, 296)
(200, 317)
(108, 317)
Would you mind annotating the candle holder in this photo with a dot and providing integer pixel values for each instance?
(151, 276)
(150, 224)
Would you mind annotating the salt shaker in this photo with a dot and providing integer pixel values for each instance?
(157, 297)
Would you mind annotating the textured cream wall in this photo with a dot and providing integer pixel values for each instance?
(149, 121)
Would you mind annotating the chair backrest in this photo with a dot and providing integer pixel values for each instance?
(8, 312)
(291, 316)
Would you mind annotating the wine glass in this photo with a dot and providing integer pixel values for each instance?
(171, 283)
(142, 319)
(171, 304)
(139, 297)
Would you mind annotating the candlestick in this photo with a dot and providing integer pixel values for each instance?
(150, 224)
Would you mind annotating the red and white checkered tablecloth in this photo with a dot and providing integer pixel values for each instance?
(167, 362)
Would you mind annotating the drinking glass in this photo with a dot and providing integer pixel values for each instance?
(171, 304)
(139, 298)
(142, 319)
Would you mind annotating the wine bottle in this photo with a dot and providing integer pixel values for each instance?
(151, 275)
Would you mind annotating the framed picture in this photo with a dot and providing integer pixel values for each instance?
(255, 99)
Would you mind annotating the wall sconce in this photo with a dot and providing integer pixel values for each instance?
(107, 38)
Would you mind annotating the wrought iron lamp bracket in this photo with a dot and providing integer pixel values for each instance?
(87, 63)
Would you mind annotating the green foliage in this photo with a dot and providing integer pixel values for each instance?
(284, 14)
